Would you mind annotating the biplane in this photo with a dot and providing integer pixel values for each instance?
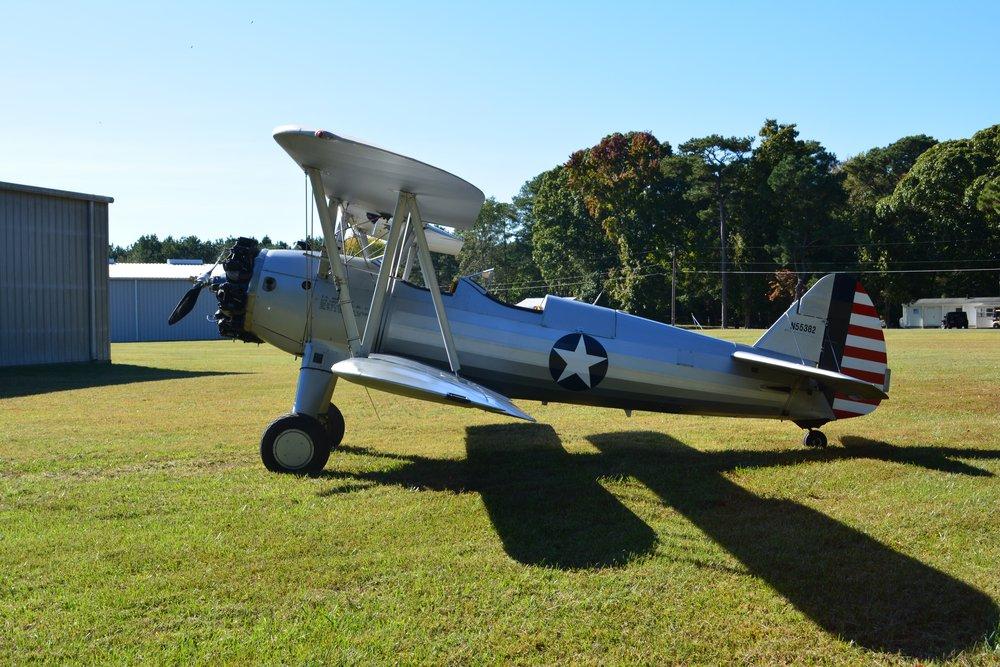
(361, 318)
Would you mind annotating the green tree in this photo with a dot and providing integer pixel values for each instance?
(146, 248)
(795, 211)
(715, 179)
(946, 207)
(499, 242)
(569, 247)
(150, 249)
(868, 178)
(266, 242)
(639, 205)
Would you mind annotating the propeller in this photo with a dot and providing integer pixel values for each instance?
(186, 304)
(238, 266)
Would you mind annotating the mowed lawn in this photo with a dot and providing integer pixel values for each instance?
(138, 524)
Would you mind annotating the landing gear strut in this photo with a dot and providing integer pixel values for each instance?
(814, 438)
(301, 444)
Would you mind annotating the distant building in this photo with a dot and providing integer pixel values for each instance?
(53, 268)
(928, 313)
(143, 295)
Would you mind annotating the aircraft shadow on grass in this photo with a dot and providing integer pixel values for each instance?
(31, 380)
(549, 509)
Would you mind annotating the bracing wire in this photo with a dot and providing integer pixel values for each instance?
(372, 401)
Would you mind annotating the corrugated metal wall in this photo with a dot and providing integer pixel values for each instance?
(153, 300)
(46, 268)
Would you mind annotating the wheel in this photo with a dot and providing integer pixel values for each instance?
(333, 420)
(814, 438)
(295, 444)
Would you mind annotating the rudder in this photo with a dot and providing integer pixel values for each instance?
(862, 355)
(834, 326)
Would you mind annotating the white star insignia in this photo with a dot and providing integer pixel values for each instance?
(578, 362)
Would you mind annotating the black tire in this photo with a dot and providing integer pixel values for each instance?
(295, 444)
(814, 438)
(334, 423)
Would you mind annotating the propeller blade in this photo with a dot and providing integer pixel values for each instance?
(186, 304)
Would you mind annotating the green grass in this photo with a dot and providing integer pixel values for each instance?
(139, 525)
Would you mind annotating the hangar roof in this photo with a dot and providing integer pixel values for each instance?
(160, 271)
(979, 300)
(49, 192)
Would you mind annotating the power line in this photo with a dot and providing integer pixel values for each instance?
(576, 278)
(868, 271)
(873, 244)
(507, 287)
(899, 261)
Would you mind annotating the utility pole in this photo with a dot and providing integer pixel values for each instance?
(719, 156)
(673, 286)
(722, 239)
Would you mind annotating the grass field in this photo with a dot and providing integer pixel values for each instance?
(139, 525)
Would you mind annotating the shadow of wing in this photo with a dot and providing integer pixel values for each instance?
(848, 583)
(546, 505)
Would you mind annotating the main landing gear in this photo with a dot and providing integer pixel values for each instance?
(301, 444)
(814, 438)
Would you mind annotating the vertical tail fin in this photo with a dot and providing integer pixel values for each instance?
(834, 326)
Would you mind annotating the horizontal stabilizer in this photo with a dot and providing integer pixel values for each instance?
(398, 375)
(836, 381)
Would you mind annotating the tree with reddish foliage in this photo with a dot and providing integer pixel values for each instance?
(640, 207)
(783, 286)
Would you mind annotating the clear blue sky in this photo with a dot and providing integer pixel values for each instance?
(170, 109)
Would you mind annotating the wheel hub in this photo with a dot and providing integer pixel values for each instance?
(293, 449)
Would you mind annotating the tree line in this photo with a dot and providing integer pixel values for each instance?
(150, 249)
(748, 222)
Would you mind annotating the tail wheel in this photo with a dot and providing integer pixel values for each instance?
(295, 444)
(814, 438)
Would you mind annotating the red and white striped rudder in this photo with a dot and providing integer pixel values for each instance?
(863, 355)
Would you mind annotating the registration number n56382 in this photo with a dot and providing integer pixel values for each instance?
(805, 328)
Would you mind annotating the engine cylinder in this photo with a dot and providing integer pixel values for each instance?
(232, 295)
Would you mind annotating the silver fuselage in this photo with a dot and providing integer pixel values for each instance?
(650, 365)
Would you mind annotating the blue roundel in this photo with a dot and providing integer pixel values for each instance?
(578, 362)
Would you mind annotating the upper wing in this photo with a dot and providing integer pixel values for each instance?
(371, 178)
(398, 375)
(836, 381)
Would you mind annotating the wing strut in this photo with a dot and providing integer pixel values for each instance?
(431, 283)
(406, 234)
(374, 323)
(336, 260)
(367, 178)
